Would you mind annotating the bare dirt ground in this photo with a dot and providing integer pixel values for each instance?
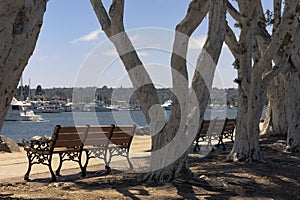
(277, 179)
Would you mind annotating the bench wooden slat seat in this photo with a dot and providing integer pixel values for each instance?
(70, 143)
(65, 141)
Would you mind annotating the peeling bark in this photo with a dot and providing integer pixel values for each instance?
(293, 111)
(275, 118)
(253, 79)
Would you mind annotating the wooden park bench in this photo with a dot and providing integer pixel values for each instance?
(65, 141)
(217, 129)
(227, 132)
(70, 143)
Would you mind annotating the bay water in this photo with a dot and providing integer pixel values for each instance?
(17, 130)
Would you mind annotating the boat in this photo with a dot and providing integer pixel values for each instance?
(46, 107)
(21, 111)
(94, 106)
(52, 108)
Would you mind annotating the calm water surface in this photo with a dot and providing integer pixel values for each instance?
(19, 130)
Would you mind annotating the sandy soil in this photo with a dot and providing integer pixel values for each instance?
(277, 179)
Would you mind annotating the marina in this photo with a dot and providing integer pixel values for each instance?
(17, 130)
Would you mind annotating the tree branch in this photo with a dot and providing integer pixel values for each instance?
(285, 31)
(102, 16)
(116, 13)
(232, 42)
(196, 12)
(283, 66)
(277, 14)
(113, 26)
(208, 58)
(233, 12)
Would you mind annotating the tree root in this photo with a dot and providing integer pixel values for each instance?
(246, 157)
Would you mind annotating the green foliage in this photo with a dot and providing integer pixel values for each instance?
(236, 64)
(269, 18)
(238, 25)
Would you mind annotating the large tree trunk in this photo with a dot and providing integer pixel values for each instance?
(253, 79)
(170, 146)
(293, 111)
(190, 105)
(20, 24)
(275, 122)
(242, 144)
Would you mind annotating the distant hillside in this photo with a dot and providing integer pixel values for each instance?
(114, 95)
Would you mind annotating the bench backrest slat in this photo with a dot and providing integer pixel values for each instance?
(122, 136)
(98, 135)
(230, 125)
(218, 126)
(67, 136)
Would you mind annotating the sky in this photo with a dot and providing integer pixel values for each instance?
(71, 41)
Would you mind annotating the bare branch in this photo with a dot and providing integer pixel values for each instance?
(196, 12)
(285, 31)
(116, 13)
(206, 63)
(233, 12)
(232, 42)
(195, 15)
(283, 66)
(277, 14)
(113, 26)
(102, 15)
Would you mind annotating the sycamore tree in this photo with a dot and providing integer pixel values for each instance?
(168, 162)
(20, 24)
(260, 57)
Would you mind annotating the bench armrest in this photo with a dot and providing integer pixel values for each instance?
(39, 145)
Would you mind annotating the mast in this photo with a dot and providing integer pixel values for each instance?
(29, 93)
(21, 90)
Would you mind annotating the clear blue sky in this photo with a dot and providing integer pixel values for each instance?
(71, 30)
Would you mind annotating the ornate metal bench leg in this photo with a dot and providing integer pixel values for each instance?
(57, 172)
(107, 162)
(197, 146)
(108, 169)
(26, 176)
(83, 168)
(221, 142)
(53, 177)
(129, 162)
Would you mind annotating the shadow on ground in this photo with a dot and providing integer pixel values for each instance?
(276, 179)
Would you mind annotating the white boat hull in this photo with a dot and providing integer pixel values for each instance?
(21, 111)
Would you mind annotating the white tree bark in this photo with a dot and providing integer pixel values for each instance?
(198, 95)
(293, 97)
(282, 117)
(275, 122)
(253, 79)
(293, 111)
(20, 23)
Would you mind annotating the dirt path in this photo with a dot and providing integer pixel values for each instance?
(277, 179)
